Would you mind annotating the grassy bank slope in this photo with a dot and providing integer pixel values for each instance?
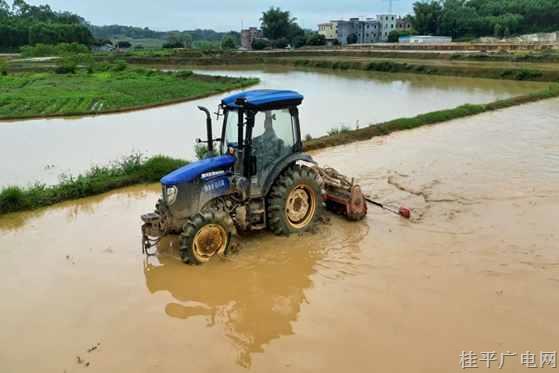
(31, 95)
(426, 119)
(131, 170)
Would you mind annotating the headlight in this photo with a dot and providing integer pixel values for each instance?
(171, 193)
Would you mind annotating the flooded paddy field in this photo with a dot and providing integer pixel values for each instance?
(477, 269)
(41, 150)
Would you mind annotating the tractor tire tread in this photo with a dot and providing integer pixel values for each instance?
(191, 227)
(277, 198)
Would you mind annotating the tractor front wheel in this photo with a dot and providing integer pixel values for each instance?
(206, 235)
(294, 203)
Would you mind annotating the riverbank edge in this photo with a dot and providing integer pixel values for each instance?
(130, 171)
(515, 74)
(16, 199)
(248, 82)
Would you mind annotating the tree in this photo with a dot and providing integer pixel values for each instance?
(4, 9)
(427, 17)
(394, 36)
(299, 41)
(474, 18)
(179, 40)
(314, 38)
(280, 43)
(352, 39)
(260, 44)
(228, 43)
(25, 24)
(277, 24)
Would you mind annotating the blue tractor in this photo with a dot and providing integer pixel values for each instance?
(258, 178)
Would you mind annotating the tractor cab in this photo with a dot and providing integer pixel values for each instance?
(261, 129)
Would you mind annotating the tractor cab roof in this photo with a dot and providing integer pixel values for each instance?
(262, 99)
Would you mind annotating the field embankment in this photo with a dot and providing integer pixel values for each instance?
(345, 137)
(47, 94)
(526, 66)
(99, 179)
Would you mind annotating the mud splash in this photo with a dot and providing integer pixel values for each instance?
(477, 270)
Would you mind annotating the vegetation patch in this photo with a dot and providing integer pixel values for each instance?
(48, 50)
(345, 137)
(102, 89)
(134, 169)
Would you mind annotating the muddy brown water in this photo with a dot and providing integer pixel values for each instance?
(41, 150)
(477, 269)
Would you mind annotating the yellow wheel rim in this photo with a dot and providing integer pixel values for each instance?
(210, 240)
(300, 206)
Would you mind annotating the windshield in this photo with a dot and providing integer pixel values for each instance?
(230, 120)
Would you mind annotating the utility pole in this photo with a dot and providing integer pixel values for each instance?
(390, 5)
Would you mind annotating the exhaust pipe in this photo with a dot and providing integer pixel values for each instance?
(208, 128)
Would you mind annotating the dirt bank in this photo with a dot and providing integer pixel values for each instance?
(478, 269)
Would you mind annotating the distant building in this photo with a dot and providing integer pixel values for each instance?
(104, 48)
(328, 30)
(248, 36)
(404, 24)
(388, 24)
(360, 31)
(425, 39)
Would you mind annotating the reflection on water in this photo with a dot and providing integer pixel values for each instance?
(332, 99)
(257, 295)
(75, 208)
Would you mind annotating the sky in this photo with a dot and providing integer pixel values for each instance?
(220, 15)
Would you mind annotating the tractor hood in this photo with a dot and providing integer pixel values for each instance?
(192, 171)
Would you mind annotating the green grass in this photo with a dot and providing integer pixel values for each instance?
(130, 170)
(340, 137)
(28, 95)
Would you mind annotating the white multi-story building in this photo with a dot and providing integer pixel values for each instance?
(360, 31)
(387, 24)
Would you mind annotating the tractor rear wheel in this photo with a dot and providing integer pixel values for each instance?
(294, 203)
(206, 235)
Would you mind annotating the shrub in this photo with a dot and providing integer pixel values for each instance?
(280, 43)
(119, 65)
(260, 44)
(173, 45)
(47, 50)
(66, 65)
(12, 199)
(184, 74)
(3, 68)
(228, 43)
(338, 131)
